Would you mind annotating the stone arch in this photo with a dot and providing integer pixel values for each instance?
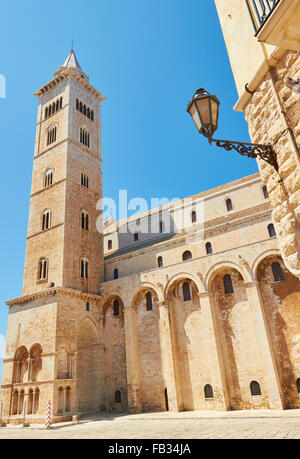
(88, 365)
(223, 265)
(261, 257)
(20, 364)
(180, 277)
(36, 361)
(115, 377)
(185, 322)
(60, 400)
(158, 294)
(280, 300)
(237, 333)
(107, 307)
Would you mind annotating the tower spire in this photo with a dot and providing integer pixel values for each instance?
(71, 63)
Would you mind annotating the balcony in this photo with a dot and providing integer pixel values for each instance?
(276, 22)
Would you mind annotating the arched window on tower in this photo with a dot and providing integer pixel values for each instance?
(277, 272)
(271, 230)
(187, 256)
(46, 220)
(116, 308)
(116, 274)
(109, 245)
(92, 115)
(84, 137)
(51, 135)
(43, 269)
(88, 113)
(255, 388)
(208, 248)
(84, 180)
(84, 220)
(229, 205)
(118, 398)
(228, 286)
(84, 269)
(298, 385)
(149, 302)
(48, 178)
(194, 216)
(80, 107)
(46, 112)
(186, 291)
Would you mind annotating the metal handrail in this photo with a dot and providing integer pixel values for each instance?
(260, 11)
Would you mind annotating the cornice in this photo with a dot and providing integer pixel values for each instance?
(59, 291)
(69, 72)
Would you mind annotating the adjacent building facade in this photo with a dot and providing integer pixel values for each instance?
(191, 306)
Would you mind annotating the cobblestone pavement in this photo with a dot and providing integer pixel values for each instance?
(188, 425)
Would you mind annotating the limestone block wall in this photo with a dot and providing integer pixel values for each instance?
(273, 117)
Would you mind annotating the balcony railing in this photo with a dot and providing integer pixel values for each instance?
(260, 11)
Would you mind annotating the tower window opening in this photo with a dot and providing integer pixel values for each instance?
(84, 269)
(48, 178)
(46, 220)
(85, 220)
(84, 180)
(116, 274)
(118, 398)
(43, 269)
(51, 135)
(86, 111)
(194, 216)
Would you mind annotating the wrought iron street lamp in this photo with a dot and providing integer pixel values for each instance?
(204, 110)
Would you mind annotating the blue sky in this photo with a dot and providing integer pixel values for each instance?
(147, 57)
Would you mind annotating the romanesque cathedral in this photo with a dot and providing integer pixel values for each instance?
(204, 316)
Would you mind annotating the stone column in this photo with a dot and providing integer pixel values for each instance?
(132, 361)
(214, 351)
(271, 377)
(167, 356)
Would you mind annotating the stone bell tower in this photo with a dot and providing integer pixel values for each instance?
(63, 246)
(64, 256)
